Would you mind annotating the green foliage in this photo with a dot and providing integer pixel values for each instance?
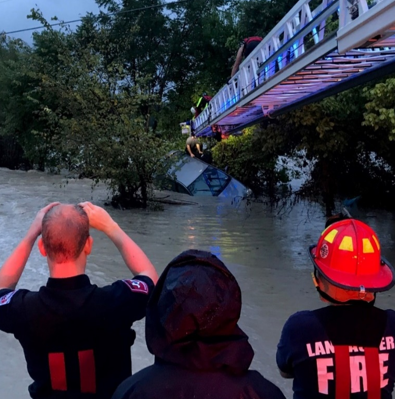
(106, 101)
(380, 113)
(19, 99)
(92, 116)
(250, 159)
(255, 18)
(349, 158)
(182, 48)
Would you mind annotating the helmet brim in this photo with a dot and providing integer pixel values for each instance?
(382, 281)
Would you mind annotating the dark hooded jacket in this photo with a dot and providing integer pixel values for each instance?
(191, 328)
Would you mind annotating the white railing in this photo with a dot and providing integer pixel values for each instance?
(369, 23)
(301, 29)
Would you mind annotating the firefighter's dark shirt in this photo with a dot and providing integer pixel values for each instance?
(76, 336)
(306, 352)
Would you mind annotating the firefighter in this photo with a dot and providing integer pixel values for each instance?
(76, 337)
(201, 105)
(245, 49)
(346, 350)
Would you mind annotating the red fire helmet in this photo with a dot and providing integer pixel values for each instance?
(348, 256)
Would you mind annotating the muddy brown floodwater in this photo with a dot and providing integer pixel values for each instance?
(267, 254)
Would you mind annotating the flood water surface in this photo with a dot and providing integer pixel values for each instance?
(265, 251)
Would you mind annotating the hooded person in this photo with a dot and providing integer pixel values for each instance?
(346, 350)
(191, 328)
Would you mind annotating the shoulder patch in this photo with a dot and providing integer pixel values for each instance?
(137, 286)
(6, 299)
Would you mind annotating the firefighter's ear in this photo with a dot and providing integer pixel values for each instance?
(41, 247)
(88, 245)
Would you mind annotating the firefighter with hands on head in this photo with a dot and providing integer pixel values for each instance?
(192, 329)
(345, 350)
(76, 336)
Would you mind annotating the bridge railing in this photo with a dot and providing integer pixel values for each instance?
(352, 9)
(366, 22)
(301, 29)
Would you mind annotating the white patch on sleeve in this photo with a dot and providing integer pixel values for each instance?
(137, 286)
(6, 299)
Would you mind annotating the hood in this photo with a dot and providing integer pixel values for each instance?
(192, 316)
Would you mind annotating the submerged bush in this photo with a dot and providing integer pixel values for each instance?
(249, 160)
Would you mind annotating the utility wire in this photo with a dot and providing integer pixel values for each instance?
(115, 13)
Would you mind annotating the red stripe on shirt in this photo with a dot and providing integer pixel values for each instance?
(57, 371)
(373, 373)
(87, 371)
(342, 370)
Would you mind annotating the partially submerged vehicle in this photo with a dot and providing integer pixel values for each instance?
(194, 177)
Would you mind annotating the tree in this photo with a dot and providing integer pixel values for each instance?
(182, 47)
(380, 113)
(99, 123)
(350, 159)
(20, 101)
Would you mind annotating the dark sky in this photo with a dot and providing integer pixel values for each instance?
(13, 13)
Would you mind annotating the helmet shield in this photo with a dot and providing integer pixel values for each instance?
(348, 255)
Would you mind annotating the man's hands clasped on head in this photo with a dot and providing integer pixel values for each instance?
(134, 257)
(69, 297)
(99, 218)
(36, 226)
(12, 268)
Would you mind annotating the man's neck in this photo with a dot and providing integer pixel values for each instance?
(64, 270)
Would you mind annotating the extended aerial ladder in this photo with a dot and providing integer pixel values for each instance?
(310, 54)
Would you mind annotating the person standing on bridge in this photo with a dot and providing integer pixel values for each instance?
(346, 350)
(245, 49)
(76, 337)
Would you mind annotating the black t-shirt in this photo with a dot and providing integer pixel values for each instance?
(76, 336)
(306, 351)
